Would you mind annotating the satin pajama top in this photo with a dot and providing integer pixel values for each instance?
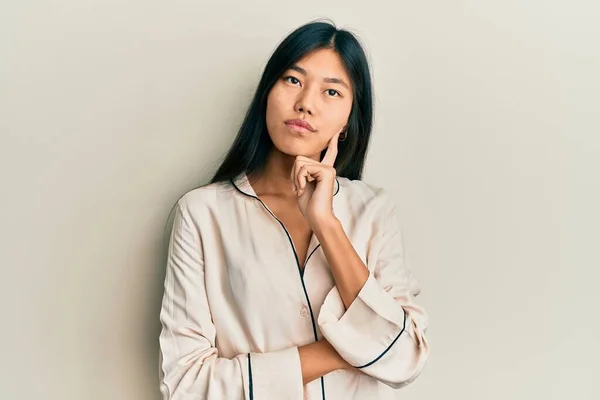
(237, 304)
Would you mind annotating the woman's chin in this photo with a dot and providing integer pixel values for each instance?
(295, 149)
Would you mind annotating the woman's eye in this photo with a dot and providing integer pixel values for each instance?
(333, 93)
(291, 80)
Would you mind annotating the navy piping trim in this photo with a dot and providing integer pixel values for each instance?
(239, 190)
(251, 389)
(389, 347)
(312, 315)
(337, 189)
(308, 258)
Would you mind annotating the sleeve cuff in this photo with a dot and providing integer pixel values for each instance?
(276, 375)
(368, 328)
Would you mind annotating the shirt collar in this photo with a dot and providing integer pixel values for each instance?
(242, 184)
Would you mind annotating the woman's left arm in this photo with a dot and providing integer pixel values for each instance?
(370, 316)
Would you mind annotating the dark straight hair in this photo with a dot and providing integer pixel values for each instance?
(250, 149)
(252, 145)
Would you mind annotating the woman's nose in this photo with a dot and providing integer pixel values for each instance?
(305, 103)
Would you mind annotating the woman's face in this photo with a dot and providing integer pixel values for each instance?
(317, 90)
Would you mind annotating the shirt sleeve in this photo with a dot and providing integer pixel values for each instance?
(191, 368)
(382, 332)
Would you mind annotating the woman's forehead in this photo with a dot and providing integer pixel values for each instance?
(322, 64)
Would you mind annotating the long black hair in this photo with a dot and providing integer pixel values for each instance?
(250, 149)
(252, 145)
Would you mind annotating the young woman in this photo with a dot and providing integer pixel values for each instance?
(286, 274)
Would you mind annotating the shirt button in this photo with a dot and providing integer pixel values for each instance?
(303, 311)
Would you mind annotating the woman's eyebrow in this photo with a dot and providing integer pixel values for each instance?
(328, 80)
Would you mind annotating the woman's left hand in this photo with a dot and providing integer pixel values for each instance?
(315, 182)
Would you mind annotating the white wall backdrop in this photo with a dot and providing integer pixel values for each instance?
(486, 131)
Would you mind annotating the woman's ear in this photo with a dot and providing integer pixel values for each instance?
(343, 133)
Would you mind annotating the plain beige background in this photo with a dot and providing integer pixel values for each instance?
(486, 132)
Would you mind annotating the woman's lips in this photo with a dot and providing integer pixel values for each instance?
(298, 128)
(302, 123)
